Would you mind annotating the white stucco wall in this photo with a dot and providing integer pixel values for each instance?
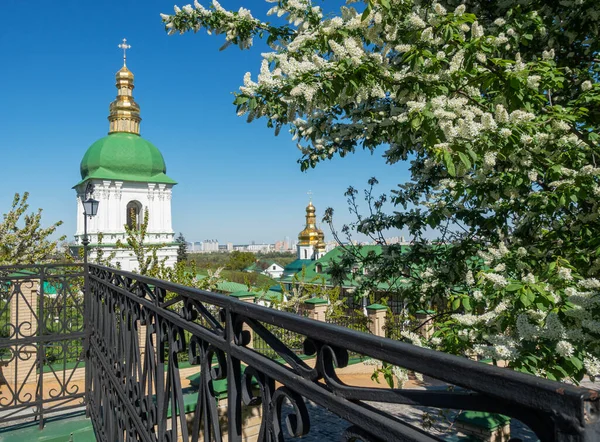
(113, 197)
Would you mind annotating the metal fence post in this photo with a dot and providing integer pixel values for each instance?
(87, 330)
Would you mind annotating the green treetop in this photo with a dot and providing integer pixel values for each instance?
(182, 254)
(495, 106)
(240, 260)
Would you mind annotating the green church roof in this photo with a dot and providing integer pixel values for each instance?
(125, 157)
(296, 266)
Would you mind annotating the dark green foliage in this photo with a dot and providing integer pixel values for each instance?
(182, 255)
(240, 260)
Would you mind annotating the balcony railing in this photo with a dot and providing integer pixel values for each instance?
(145, 335)
(253, 370)
(41, 341)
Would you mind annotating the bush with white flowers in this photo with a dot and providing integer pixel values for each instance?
(496, 105)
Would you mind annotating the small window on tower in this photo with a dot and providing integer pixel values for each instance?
(134, 210)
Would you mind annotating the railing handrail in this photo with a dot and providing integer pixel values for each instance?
(38, 273)
(37, 266)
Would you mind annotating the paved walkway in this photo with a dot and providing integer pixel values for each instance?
(326, 426)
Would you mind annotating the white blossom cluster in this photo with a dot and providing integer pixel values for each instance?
(501, 347)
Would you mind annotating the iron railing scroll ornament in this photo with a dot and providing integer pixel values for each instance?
(41, 341)
(141, 327)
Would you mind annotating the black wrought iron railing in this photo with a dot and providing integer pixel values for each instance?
(139, 328)
(41, 341)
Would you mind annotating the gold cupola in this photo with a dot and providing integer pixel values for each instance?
(311, 235)
(124, 113)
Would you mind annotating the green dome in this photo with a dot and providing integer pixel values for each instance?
(124, 157)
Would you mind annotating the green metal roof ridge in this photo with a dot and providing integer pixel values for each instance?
(160, 178)
(242, 294)
(316, 301)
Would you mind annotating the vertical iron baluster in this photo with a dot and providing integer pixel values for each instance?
(160, 384)
(234, 377)
(41, 348)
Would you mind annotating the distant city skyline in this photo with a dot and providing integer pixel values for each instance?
(237, 181)
(214, 245)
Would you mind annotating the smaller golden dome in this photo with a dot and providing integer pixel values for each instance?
(311, 235)
(124, 112)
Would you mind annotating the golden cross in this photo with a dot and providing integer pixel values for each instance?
(309, 193)
(124, 46)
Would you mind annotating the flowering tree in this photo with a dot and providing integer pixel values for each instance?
(496, 105)
(149, 264)
(23, 240)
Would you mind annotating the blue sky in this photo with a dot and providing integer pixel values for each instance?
(237, 181)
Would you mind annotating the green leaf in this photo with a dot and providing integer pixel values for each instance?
(465, 160)
(466, 302)
(449, 163)
(240, 99)
(472, 154)
(562, 200)
(366, 12)
(525, 300)
(456, 304)
(577, 363)
(389, 378)
(513, 287)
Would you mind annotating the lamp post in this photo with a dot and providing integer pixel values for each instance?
(90, 208)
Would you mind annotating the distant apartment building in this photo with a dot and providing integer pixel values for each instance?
(260, 248)
(210, 246)
(330, 245)
(396, 240)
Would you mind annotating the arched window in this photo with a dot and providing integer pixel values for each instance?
(305, 254)
(134, 211)
(319, 268)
